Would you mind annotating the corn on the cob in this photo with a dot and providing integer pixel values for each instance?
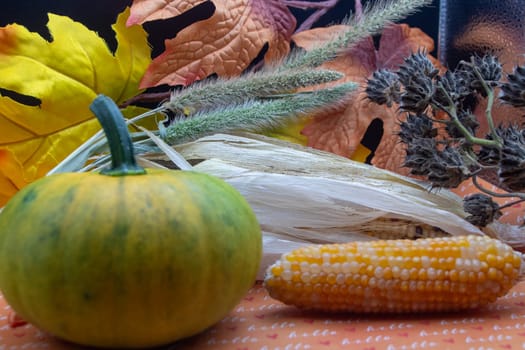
(433, 274)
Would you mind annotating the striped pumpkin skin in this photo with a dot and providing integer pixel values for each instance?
(396, 276)
(127, 261)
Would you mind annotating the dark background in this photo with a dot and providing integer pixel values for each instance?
(98, 15)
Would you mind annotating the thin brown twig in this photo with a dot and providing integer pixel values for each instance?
(496, 194)
(148, 97)
(510, 204)
(304, 5)
(322, 7)
(358, 9)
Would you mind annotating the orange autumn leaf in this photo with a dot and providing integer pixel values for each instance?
(150, 10)
(224, 44)
(58, 81)
(341, 131)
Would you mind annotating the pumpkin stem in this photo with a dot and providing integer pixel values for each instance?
(123, 160)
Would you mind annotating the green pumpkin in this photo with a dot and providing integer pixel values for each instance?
(136, 258)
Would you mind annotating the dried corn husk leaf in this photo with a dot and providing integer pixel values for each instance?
(314, 195)
(301, 195)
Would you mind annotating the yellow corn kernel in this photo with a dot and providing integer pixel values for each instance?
(424, 275)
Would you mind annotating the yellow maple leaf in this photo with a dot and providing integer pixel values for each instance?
(58, 80)
(224, 44)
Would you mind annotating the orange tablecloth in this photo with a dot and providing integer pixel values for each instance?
(261, 323)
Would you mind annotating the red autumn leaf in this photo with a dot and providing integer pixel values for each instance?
(224, 44)
(342, 130)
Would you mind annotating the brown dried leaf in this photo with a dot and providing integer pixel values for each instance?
(149, 10)
(225, 44)
(342, 130)
(398, 42)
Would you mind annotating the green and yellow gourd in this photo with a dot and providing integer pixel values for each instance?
(129, 257)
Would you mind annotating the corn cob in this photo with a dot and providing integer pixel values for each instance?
(396, 276)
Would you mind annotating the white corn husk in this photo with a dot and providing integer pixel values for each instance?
(301, 195)
(313, 195)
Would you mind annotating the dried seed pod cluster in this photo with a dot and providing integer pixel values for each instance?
(447, 150)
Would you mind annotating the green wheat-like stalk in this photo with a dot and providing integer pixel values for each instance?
(372, 21)
(255, 115)
(265, 100)
(210, 95)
